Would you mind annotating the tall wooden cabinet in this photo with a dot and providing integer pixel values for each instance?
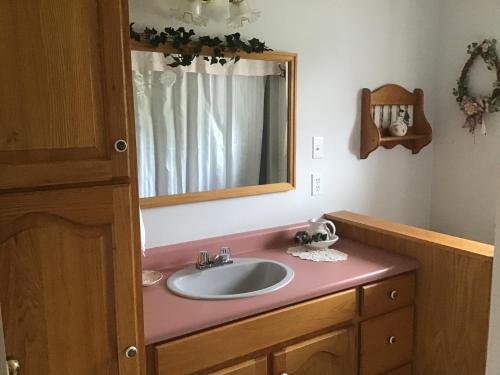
(63, 92)
(69, 257)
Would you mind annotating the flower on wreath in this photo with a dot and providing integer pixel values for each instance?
(485, 46)
(473, 106)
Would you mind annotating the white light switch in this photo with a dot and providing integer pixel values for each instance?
(318, 152)
(316, 184)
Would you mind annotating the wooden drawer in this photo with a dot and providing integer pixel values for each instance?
(379, 353)
(387, 295)
(252, 367)
(405, 370)
(215, 346)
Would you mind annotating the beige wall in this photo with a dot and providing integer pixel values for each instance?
(464, 189)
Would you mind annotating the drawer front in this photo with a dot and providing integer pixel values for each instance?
(405, 370)
(247, 336)
(387, 295)
(252, 367)
(386, 342)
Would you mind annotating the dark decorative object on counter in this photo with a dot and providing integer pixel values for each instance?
(303, 238)
(185, 49)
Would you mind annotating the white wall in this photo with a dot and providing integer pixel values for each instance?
(493, 364)
(464, 189)
(343, 46)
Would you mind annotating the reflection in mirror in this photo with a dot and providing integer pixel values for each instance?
(206, 127)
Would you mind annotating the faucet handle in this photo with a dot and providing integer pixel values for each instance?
(203, 258)
(225, 252)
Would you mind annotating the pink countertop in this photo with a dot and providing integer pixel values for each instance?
(167, 316)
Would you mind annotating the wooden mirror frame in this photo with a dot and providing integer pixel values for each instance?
(170, 200)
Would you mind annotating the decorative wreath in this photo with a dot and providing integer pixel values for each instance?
(475, 107)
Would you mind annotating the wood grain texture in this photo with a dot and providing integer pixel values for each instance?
(405, 370)
(238, 339)
(67, 281)
(291, 59)
(62, 98)
(331, 353)
(452, 291)
(377, 354)
(170, 200)
(251, 367)
(419, 134)
(376, 298)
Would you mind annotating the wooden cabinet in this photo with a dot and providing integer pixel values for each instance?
(226, 343)
(68, 281)
(63, 94)
(331, 353)
(252, 367)
(367, 330)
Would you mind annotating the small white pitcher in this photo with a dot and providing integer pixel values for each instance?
(323, 227)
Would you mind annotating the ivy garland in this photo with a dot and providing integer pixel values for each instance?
(187, 49)
(475, 107)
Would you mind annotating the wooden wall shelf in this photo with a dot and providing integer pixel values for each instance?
(385, 99)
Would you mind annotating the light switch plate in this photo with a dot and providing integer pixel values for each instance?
(318, 149)
(316, 184)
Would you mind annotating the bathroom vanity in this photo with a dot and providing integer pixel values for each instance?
(352, 317)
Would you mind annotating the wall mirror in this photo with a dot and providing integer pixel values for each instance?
(206, 132)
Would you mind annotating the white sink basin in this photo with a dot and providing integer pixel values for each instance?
(246, 277)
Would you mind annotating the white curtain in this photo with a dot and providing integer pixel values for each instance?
(200, 131)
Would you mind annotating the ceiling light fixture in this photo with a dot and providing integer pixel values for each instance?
(192, 12)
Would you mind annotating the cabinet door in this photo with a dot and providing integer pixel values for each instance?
(68, 282)
(252, 367)
(331, 353)
(63, 94)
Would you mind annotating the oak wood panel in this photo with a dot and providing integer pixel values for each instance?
(251, 367)
(231, 341)
(376, 298)
(392, 94)
(63, 92)
(331, 353)
(68, 286)
(405, 370)
(452, 291)
(291, 59)
(377, 354)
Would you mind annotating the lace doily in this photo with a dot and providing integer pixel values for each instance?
(325, 255)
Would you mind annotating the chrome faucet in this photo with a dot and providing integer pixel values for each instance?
(204, 261)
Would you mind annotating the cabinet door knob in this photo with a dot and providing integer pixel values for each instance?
(131, 352)
(121, 145)
(393, 294)
(13, 366)
(392, 340)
